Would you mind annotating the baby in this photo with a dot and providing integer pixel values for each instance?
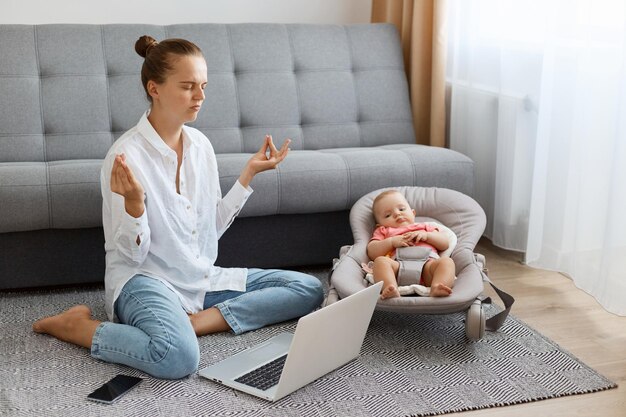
(396, 228)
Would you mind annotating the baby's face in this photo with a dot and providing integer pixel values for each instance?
(393, 211)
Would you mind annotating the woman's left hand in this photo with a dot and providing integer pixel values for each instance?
(261, 161)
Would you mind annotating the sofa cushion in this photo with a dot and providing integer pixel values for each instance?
(59, 195)
(23, 196)
(333, 179)
(74, 190)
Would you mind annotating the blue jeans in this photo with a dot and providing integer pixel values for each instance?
(155, 333)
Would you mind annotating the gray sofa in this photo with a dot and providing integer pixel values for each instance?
(339, 92)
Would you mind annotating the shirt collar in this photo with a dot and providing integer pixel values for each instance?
(147, 131)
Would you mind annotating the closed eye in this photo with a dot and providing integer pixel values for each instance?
(188, 85)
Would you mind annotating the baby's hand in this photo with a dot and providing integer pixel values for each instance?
(416, 236)
(399, 241)
(421, 236)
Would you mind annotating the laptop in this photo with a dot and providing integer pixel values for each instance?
(323, 341)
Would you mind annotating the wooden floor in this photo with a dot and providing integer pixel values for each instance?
(551, 303)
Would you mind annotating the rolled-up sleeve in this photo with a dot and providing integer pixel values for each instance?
(230, 205)
(132, 237)
(120, 228)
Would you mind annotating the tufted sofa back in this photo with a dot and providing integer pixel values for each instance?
(68, 91)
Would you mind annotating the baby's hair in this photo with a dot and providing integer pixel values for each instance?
(160, 57)
(382, 195)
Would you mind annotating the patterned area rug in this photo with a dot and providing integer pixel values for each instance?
(409, 366)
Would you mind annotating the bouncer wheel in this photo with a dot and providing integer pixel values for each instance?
(475, 321)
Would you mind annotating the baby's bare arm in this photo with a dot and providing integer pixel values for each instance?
(438, 239)
(376, 248)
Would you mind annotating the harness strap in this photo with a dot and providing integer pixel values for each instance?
(496, 321)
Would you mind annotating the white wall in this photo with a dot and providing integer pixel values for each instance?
(184, 11)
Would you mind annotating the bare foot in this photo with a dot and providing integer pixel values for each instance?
(440, 290)
(73, 325)
(390, 291)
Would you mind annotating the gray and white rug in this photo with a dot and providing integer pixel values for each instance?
(410, 365)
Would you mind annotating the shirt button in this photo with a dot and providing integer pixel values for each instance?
(206, 276)
(188, 207)
(193, 232)
(197, 256)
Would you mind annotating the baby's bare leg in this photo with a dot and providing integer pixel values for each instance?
(438, 274)
(74, 326)
(386, 270)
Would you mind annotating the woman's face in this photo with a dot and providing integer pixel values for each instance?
(182, 93)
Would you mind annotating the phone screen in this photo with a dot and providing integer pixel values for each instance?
(114, 389)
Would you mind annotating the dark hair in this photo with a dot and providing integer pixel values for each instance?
(160, 57)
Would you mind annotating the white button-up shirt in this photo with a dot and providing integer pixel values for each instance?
(178, 233)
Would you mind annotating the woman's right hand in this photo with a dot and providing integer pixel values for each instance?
(124, 183)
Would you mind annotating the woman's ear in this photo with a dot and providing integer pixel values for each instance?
(152, 89)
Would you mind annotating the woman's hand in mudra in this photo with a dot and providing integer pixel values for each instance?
(264, 160)
(124, 183)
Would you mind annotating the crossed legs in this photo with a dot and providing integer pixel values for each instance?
(155, 334)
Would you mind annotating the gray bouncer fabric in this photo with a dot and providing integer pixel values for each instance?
(455, 210)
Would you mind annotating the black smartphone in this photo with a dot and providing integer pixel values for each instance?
(114, 389)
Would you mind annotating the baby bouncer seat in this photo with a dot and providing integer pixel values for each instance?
(463, 220)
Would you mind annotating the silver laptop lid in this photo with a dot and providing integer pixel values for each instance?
(327, 339)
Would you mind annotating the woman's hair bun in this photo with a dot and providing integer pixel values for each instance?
(144, 44)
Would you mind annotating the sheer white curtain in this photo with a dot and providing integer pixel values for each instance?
(538, 101)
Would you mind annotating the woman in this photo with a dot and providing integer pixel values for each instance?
(163, 214)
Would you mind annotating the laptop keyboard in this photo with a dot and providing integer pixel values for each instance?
(266, 376)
